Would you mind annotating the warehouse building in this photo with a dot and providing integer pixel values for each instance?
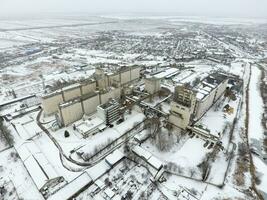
(190, 104)
(41, 171)
(208, 92)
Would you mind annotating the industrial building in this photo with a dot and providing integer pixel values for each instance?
(73, 188)
(72, 102)
(73, 110)
(190, 104)
(208, 92)
(182, 106)
(153, 80)
(51, 101)
(148, 157)
(117, 77)
(109, 112)
(89, 126)
(152, 85)
(39, 168)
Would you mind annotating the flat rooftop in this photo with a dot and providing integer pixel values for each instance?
(164, 73)
(207, 85)
(110, 103)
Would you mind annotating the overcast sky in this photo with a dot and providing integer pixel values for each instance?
(227, 8)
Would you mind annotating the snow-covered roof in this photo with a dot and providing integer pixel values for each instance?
(141, 136)
(152, 160)
(111, 134)
(208, 88)
(109, 193)
(155, 162)
(168, 72)
(98, 170)
(36, 164)
(21, 131)
(72, 188)
(35, 172)
(142, 152)
(117, 197)
(16, 100)
(28, 130)
(100, 183)
(209, 84)
(200, 95)
(25, 119)
(114, 157)
(87, 126)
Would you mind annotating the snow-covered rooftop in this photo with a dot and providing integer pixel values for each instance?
(36, 164)
(114, 157)
(72, 188)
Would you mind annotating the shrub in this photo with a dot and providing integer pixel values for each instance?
(66, 133)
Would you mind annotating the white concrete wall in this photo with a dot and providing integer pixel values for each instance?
(50, 104)
(114, 79)
(105, 97)
(135, 73)
(125, 77)
(220, 90)
(102, 83)
(180, 115)
(101, 113)
(152, 86)
(90, 104)
(116, 93)
(205, 104)
(112, 94)
(71, 113)
(71, 93)
(90, 87)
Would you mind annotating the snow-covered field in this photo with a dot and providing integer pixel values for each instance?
(181, 153)
(12, 170)
(255, 126)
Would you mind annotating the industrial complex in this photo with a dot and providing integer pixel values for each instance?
(134, 109)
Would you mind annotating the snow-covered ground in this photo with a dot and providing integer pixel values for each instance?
(255, 105)
(12, 170)
(125, 176)
(200, 190)
(216, 119)
(87, 145)
(255, 128)
(181, 153)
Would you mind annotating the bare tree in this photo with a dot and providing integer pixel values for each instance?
(143, 196)
(5, 134)
(204, 166)
(107, 182)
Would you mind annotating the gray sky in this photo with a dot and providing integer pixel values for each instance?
(227, 8)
